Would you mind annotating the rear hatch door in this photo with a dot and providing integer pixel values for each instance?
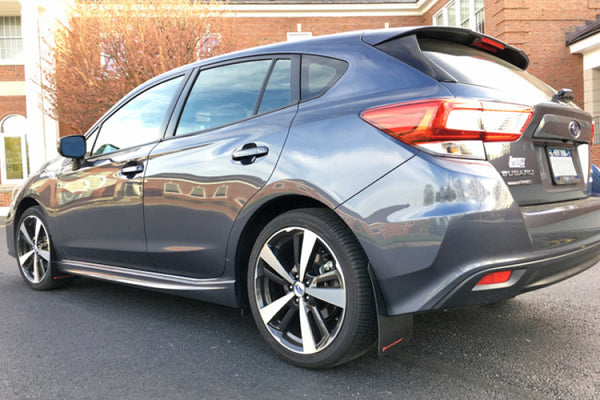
(550, 162)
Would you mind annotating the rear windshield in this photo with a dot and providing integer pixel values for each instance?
(475, 67)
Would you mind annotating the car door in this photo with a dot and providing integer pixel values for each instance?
(100, 199)
(224, 148)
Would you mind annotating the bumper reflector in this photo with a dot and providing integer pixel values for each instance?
(495, 277)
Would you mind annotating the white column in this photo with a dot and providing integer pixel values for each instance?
(42, 130)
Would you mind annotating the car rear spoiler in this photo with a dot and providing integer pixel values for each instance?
(467, 37)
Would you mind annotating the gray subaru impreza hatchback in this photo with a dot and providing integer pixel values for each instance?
(334, 187)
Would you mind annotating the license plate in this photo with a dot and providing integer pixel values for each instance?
(563, 168)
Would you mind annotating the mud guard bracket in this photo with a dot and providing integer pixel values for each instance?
(391, 331)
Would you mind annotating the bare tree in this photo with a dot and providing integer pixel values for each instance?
(104, 49)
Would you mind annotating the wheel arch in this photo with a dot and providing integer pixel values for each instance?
(24, 204)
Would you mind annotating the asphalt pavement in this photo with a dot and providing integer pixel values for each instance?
(95, 340)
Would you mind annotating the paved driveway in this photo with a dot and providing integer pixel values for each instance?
(94, 340)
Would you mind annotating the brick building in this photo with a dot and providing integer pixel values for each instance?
(536, 26)
(585, 41)
(27, 134)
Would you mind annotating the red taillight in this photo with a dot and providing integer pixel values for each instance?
(495, 277)
(443, 120)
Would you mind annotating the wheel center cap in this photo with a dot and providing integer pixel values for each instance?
(299, 289)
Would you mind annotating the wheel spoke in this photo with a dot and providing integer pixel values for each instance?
(44, 254)
(26, 235)
(335, 296)
(36, 269)
(38, 225)
(320, 323)
(269, 258)
(308, 244)
(268, 312)
(308, 341)
(25, 257)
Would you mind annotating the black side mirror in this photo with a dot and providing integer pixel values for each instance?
(72, 146)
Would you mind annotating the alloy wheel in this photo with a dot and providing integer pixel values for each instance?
(33, 249)
(300, 291)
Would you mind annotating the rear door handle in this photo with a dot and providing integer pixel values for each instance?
(249, 153)
(131, 169)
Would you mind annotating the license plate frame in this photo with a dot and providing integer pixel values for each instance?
(562, 165)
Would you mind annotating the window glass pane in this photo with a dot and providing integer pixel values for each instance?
(139, 121)
(14, 157)
(464, 11)
(319, 74)
(478, 4)
(451, 14)
(439, 19)
(278, 91)
(11, 43)
(480, 21)
(223, 95)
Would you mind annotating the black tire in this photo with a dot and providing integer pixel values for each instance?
(35, 255)
(319, 315)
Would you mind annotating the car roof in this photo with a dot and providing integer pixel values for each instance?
(328, 44)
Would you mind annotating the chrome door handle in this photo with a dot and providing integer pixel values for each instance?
(249, 153)
(132, 169)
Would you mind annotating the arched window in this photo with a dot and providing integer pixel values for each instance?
(13, 149)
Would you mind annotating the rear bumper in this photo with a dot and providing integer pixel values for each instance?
(526, 276)
(434, 227)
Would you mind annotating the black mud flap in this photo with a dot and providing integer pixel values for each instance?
(392, 331)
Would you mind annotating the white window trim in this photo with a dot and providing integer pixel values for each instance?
(23, 136)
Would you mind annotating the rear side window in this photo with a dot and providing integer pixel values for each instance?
(475, 67)
(319, 74)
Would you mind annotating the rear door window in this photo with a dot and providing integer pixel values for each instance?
(223, 95)
(278, 92)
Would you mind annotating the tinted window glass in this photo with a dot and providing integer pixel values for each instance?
(139, 121)
(476, 67)
(278, 90)
(319, 74)
(223, 95)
